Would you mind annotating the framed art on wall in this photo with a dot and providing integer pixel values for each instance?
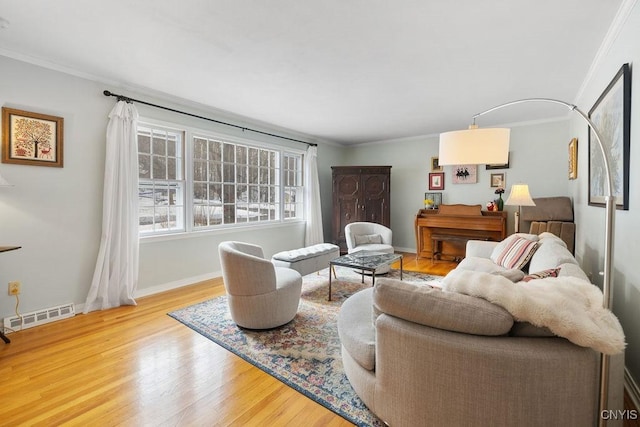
(500, 166)
(435, 164)
(497, 180)
(465, 174)
(573, 158)
(436, 181)
(611, 115)
(31, 138)
(432, 200)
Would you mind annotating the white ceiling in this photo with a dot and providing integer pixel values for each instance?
(350, 71)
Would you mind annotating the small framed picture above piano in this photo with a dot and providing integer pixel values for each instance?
(436, 181)
(432, 200)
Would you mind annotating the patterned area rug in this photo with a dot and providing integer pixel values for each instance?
(304, 353)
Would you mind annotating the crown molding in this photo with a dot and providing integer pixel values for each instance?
(614, 31)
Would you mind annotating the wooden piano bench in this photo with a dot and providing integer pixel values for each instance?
(437, 239)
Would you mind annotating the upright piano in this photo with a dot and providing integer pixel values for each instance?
(453, 225)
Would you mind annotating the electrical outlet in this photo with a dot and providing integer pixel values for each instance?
(15, 288)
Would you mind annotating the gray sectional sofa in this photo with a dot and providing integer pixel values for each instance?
(418, 355)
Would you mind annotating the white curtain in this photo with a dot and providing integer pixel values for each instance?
(116, 274)
(314, 233)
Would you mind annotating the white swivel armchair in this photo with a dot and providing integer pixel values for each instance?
(260, 295)
(369, 236)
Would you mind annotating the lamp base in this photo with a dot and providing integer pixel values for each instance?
(517, 223)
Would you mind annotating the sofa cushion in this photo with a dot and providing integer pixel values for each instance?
(515, 253)
(570, 269)
(439, 309)
(475, 263)
(366, 239)
(550, 237)
(551, 253)
(357, 332)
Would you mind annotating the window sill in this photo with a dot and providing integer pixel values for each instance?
(217, 232)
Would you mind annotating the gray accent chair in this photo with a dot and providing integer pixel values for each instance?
(369, 236)
(554, 215)
(260, 295)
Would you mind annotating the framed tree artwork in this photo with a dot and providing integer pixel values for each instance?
(611, 115)
(31, 138)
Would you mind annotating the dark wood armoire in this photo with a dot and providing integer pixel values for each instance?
(360, 193)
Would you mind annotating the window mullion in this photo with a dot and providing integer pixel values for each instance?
(188, 181)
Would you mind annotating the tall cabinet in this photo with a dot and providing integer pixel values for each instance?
(360, 193)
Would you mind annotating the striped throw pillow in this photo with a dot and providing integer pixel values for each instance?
(516, 254)
(552, 272)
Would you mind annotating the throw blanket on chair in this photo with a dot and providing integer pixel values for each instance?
(568, 306)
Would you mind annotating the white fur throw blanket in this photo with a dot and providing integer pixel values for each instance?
(568, 306)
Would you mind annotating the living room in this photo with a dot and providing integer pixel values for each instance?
(55, 214)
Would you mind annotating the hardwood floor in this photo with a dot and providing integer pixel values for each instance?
(136, 366)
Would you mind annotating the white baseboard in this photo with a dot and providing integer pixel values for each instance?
(176, 284)
(152, 290)
(632, 388)
(407, 250)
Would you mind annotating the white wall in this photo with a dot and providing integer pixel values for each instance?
(55, 214)
(538, 157)
(625, 48)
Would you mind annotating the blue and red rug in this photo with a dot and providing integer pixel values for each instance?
(305, 353)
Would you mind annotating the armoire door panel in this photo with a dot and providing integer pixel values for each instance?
(375, 186)
(375, 210)
(347, 185)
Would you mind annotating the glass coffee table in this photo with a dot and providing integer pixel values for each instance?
(365, 261)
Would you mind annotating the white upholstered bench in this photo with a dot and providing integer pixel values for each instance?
(307, 260)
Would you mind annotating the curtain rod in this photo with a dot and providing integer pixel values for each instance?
(243, 128)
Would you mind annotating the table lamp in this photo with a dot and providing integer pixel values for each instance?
(519, 196)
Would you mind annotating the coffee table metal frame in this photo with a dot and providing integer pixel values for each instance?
(365, 261)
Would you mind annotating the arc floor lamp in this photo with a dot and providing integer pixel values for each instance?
(491, 146)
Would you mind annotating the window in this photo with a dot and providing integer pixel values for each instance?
(293, 191)
(161, 180)
(227, 182)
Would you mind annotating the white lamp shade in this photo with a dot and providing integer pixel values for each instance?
(520, 196)
(488, 146)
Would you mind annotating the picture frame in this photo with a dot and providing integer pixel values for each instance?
(611, 115)
(573, 158)
(500, 166)
(497, 180)
(435, 164)
(465, 174)
(30, 138)
(435, 198)
(436, 181)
